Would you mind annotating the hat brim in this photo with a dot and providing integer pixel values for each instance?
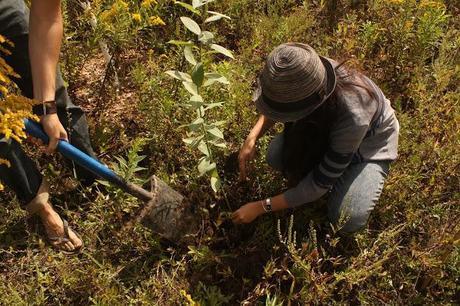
(278, 116)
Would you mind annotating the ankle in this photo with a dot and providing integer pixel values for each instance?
(46, 211)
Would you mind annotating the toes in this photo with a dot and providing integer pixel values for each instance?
(69, 246)
(75, 240)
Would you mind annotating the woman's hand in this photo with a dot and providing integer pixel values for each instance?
(54, 129)
(248, 212)
(247, 153)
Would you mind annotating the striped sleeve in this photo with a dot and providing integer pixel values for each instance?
(331, 168)
(320, 180)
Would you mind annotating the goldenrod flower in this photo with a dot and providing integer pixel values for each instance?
(137, 17)
(148, 3)
(155, 20)
(189, 299)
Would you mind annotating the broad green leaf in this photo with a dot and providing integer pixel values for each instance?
(188, 53)
(219, 143)
(191, 88)
(213, 18)
(215, 77)
(206, 37)
(197, 3)
(193, 141)
(197, 121)
(222, 50)
(196, 98)
(204, 148)
(184, 77)
(215, 181)
(215, 132)
(105, 183)
(219, 14)
(191, 25)
(196, 125)
(217, 123)
(180, 43)
(212, 105)
(188, 7)
(196, 102)
(205, 165)
(198, 74)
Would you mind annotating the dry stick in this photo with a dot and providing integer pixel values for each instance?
(102, 44)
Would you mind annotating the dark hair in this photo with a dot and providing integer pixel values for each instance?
(306, 140)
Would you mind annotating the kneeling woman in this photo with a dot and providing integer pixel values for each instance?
(340, 136)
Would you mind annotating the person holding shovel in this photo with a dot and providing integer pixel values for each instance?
(35, 57)
(340, 136)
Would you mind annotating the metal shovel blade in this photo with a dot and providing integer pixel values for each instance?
(167, 213)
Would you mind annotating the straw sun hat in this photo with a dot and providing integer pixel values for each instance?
(294, 82)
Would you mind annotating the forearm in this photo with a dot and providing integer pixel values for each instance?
(277, 203)
(45, 37)
(262, 125)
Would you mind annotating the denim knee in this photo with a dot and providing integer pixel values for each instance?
(349, 221)
(355, 195)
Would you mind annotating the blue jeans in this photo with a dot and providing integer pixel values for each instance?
(353, 196)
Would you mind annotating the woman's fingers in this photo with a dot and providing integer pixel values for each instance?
(236, 218)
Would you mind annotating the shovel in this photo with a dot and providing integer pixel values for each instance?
(166, 211)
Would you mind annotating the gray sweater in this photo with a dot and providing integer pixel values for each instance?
(366, 130)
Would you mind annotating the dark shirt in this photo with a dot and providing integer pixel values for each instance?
(14, 18)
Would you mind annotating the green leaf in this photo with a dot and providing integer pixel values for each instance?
(193, 141)
(206, 37)
(215, 181)
(204, 148)
(205, 165)
(191, 88)
(184, 77)
(213, 105)
(180, 43)
(217, 123)
(195, 126)
(191, 25)
(222, 50)
(196, 102)
(198, 74)
(219, 14)
(213, 18)
(188, 53)
(188, 7)
(215, 77)
(196, 3)
(216, 132)
(218, 143)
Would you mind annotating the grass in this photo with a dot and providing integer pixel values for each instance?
(408, 255)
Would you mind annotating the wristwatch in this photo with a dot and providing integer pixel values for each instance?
(267, 205)
(46, 108)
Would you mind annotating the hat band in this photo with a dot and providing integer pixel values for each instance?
(305, 103)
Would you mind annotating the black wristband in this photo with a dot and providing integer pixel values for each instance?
(46, 108)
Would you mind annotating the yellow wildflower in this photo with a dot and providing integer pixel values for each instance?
(137, 17)
(148, 3)
(432, 4)
(155, 20)
(189, 299)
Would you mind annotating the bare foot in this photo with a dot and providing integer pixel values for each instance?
(54, 227)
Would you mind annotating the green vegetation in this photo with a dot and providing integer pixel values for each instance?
(410, 253)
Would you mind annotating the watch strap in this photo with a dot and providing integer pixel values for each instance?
(45, 108)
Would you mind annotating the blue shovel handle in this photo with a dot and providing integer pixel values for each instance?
(84, 160)
(91, 164)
